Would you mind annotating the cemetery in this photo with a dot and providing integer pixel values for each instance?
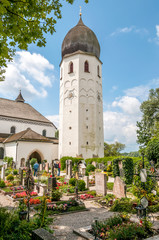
(118, 186)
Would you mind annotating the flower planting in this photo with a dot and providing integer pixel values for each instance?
(55, 207)
(86, 196)
(23, 195)
(16, 188)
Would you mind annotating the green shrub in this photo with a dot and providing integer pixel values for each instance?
(123, 205)
(2, 184)
(90, 168)
(33, 161)
(81, 185)
(10, 177)
(15, 171)
(116, 171)
(72, 181)
(7, 172)
(128, 168)
(109, 168)
(56, 195)
(110, 185)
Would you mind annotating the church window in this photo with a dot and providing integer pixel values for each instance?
(12, 130)
(86, 66)
(44, 133)
(1, 153)
(71, 67)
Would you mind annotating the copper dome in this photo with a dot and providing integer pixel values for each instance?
(81, 38)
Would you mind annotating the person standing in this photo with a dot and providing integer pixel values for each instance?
(35, 167)
(59, 168)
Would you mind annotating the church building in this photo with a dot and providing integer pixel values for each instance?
(81, 101)
(25, 133)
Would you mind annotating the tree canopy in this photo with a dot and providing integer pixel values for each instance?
(113, 149)
(148, 127)
(23, 22)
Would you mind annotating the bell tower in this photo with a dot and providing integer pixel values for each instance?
(81, 101)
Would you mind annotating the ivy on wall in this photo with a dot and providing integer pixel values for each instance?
(128, 168)
(116, 171)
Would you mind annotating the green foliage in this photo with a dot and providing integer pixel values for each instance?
(56, 195)
(57, 134)
(109, 168)
(148, 126)
(116, 167)
(81, 185)
(128, 168)
(74, 161)
(103, 160)
(22, 206)
(110, 185)
(123, 205)
(8, 171)
(72, 181)
(152, 150)
(10, 177)
(33, 161)
(90, 168)
(154, 208)
(113, 149)
(15, 171)
(2, 184)
(8, 160)
(26, 22)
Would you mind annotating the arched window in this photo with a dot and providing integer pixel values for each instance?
(12, 130)
(98, 71)
(86, 66)
(71, 67)
(1, 153)
(44, 133)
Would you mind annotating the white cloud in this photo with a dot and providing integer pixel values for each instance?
(133, 29)
(54, 119)
(157, 30)
(129, 105)
(31, 73)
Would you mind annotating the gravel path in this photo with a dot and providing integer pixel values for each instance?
(64, 224)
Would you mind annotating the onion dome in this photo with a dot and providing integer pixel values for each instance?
(20, 98)
(81, 38)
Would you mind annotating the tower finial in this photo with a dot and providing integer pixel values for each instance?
(80, 12)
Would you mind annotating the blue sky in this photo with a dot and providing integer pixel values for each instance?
(128, 33)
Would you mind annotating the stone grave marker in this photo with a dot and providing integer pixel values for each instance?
(119, 188)
(43, 165)
(101, 166)
(121, 168)
(101, 183)
(40, 167)
(52, 168)
(86, 179)
(3, 173)
(82, 169)
(21, 176)
(51, 183)
(47, 167)
(68, 169)
(94, 164)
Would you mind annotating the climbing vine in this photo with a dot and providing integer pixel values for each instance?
(116, 171)
(128, 168)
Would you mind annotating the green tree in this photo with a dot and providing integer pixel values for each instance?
(152, 150)
(113, 149)
(148, 127)
(23, 22)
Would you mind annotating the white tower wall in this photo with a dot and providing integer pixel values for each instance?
(81, 107)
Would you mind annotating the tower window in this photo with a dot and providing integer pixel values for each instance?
(70, 128)
(70, 111)
(86, 110)
(12, 130)
(71, 67)
(87, 127)
(69, 143)
(86, 118)
(98, 71)
(44, 133)
(87, 143)
(86, 66)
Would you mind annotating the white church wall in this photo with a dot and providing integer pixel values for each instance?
(10, 150)
(5, 126)
(48, 151)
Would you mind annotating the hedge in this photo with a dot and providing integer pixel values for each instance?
(74, 161)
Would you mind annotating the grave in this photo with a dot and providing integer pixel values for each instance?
(41, 234)
(68, 169)
(47, 167)
(119, 188)
(3, 173)
(41, 167)
(101, 183)
(94, 164)
(82, 169)
(52, 183)
(21, 176)
(121, 168)
(53, 168)
(86, 179)
(101, 166)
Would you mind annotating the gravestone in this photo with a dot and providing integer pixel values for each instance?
(101, 166)
(3, 173)
(119, 188)
(94, 164)
(86, 179)
(41, 167)
(68, 169)
(42, 234)
(43, 189)
(21, 176)
(47, 167)
(52, 168)
(82, 169)
(52, 183)
(121, 168)
(101, 183)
